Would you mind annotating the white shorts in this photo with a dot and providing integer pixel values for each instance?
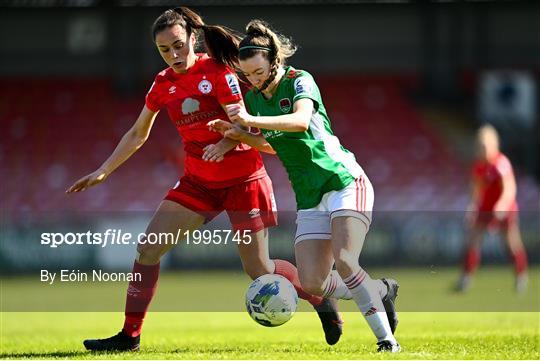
(355, 200)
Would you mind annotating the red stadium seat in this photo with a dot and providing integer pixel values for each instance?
(55, 131)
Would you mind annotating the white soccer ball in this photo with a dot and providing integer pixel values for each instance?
(271, 300)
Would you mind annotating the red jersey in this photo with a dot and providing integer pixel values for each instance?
(192, 100)
(490, 175)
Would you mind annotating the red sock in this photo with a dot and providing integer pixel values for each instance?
(139, 296)
(520, 261)
(288, 270)
(472, 260)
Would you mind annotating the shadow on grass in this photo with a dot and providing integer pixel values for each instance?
(58, 354)
(100, 354)
(62, 354)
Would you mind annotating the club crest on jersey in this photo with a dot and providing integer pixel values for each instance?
(232, 82)
(205, 86)
(172, 90)
(285, 105)
(190, 106)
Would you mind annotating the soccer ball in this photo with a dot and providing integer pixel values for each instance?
(271, 300)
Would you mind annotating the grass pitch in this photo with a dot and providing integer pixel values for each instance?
(233, 335)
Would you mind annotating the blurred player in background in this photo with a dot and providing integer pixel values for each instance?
(194, 89)
(493, 206)
(333, 194)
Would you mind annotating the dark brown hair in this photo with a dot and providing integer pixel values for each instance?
(221, 42)
(275, 47)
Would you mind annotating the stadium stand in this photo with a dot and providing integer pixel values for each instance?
(411, 166)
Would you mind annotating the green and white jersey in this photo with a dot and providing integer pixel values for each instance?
(315, 160)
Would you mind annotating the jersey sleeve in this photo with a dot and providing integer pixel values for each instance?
(154, 100)
(503, 166)
(227, 88)
(305, 87)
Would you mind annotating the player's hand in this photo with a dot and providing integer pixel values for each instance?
(88, 181)
(219, 125)
(237, 113)
(235, 133)
(213, 153)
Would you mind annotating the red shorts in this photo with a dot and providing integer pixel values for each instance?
(249, 205)
(487, 219)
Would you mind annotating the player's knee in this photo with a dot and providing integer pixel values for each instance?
(313, 288)
(257, 269)
(312, 285)
(148, 254)
(345, 262)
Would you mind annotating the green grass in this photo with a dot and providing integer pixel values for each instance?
(233, 335)
(236, 336)
(421, 289)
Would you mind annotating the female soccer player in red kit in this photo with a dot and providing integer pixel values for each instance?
(493, 206)
(194, 89)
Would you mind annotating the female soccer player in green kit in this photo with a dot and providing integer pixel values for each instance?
(333, 194)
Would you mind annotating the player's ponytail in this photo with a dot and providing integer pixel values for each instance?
(221, 43)
(261, 39)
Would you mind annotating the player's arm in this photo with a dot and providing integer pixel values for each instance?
(216, 152)
(228, 144)
(242, 135)
(508, 195)
(297, 121)
(256, 141)
(132, 140)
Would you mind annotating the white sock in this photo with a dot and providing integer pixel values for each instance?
(365, 293)
(334, 287)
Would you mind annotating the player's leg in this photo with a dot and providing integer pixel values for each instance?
(251, 206)
(256, 262)
(516, 250)
(254, 255)
(351, 212)
(169, 217)
(315, 260)
(251, 209)
(472, 255)
(185, 208)
(348, 234)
